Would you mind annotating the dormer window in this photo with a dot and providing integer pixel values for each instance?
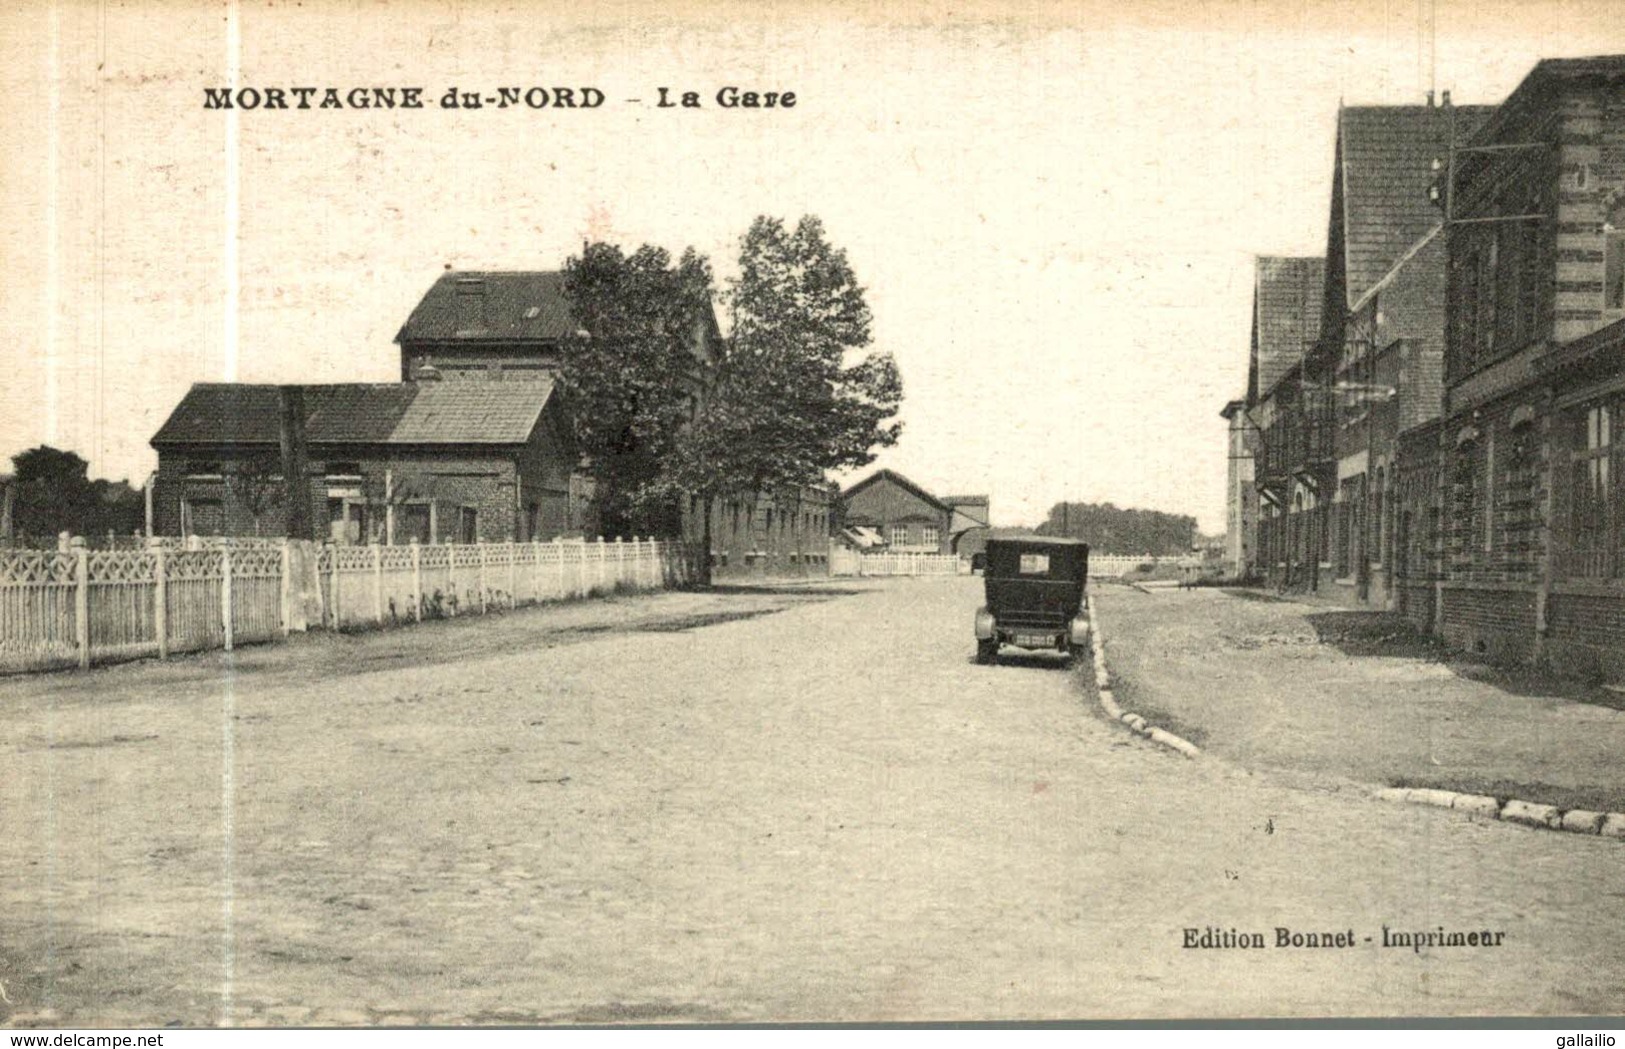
(203, 470)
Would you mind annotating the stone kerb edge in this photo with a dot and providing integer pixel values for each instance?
(1108, 702)
(1514, 810)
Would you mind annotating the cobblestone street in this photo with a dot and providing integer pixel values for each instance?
(750, 805)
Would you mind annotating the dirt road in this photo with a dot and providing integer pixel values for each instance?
(653, 810)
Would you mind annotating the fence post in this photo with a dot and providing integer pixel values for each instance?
(513, 574)
(620, 561)
(536, 569)
(377, 583)
(160, 595)
(451, 576)
(603, 556)
(417, 581)
(81, 597)
(333, 587)
(225, 595)
(285, 600)
(481, 548)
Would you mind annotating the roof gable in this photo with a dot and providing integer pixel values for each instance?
(900, 481)
(362, 413)
(1383, 168)
(1287, 296)
(487, 305)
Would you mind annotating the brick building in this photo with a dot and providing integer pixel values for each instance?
(502, 326)
(1287, 294)
(387, 462)
(909, 518)
(768, 536)
(1372, 368)
(1532, 538)
(506, 324)
(968, 527)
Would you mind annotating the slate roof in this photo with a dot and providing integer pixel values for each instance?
(902, 482)
(363, 413)
(1528, 94)
(1287, 297)
(524, 305)
(1384, 167)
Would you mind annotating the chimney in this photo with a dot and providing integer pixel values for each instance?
(1430, 98)
(471, 313)
(1445, 99)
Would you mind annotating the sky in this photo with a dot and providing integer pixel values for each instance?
(1054, 208)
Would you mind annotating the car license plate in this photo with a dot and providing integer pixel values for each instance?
(1035, 640)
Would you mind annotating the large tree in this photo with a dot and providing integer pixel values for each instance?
(794, 394)
(631, 374)
(54, 494)
(798, 393)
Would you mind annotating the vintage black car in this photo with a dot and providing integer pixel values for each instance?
(1035, 596)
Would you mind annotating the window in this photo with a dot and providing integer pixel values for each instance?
(1466, 504)
(1592, 513)
(899, 535)
(412, 522)
(1614, 271)
(203, 470)
(202, 517)
(1517, 505)
(1380, 518)
(930, 536)
(468, 525)
(1034, 564)
(1484, 339)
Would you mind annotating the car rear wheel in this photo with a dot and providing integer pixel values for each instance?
(986, 650)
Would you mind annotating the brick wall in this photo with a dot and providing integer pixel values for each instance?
(1497, 623)
(883, 504)
(1586, 633)
(1416, 604)
(765, 537)
(449, 480)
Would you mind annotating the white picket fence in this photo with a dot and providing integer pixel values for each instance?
(894, 564)
(1107, 565)
(79, 606)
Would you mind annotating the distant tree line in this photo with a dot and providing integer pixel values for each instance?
(1114, 530)
(50, 491)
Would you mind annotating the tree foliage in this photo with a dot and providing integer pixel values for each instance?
(1113, 530)
(796, 395)
(630, 374)
(52, 492)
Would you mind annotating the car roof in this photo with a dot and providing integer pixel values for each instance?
(1035, 540)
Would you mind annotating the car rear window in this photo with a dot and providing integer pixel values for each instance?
(1035, 564)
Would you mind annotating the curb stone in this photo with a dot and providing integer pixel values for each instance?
(1108, 702)
(1582, 821)
(1478, 805)
(1525, 813)
(1531, 814)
